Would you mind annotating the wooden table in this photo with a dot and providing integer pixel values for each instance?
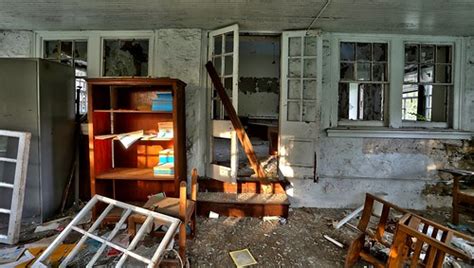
(463, 199)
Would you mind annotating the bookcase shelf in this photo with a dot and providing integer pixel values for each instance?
(123, 105)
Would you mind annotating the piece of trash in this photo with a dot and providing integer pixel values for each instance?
(48, 227)
(461, 227)
(213, 215)
(27, 257)
(8, 255)
(282, 221)
(466, 246)
(45, 242)
(335, 242)
(271, 218)
(242, 258)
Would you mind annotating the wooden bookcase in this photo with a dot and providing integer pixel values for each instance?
(121, 105)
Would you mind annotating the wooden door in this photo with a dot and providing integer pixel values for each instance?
(224, 54)
(300, 84)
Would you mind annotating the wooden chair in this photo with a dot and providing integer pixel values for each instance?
(356, 249)
(415, 234)
(412, 234)
(463, 199)
(183, 208)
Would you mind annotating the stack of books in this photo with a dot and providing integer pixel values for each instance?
(166, 163)
(163, 102)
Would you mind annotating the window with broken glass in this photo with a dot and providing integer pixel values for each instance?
(363, 81)
(74, 53)
(125, 57)
(427, 83)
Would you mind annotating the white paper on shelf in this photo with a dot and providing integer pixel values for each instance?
(130, 138)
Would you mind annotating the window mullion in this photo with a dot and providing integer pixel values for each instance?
(396, 73)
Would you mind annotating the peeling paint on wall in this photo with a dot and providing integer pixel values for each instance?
(259, 84)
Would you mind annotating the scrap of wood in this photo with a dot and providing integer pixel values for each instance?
(334, 241)
(239, 128)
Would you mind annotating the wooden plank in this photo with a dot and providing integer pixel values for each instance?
(133, 174)
(239, 128)
(366, 213)
(382, 222)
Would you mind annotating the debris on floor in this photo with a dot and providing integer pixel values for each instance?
(242, 258)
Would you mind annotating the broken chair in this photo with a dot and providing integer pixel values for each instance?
(463, 195)
(183, 208)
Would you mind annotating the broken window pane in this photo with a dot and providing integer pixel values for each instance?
(443, 54)
(310, 46)
(411, 73)
(443, 73)
(380, 52)
(51, 49)
(347, 71)
(426, 73)
(347, 51)
(411, 53)
(426, 103)
(364, 51)
(80, 50)
(363, 71)
(217, 61)
(125, 57)
(371, 100)
(343, 110)
(427, 54)
(379, 72)
(295, 46)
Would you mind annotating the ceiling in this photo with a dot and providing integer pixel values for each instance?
(434, 17)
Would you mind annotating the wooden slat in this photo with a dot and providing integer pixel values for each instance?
(382, 222)
(416, 253)
(366, 213)
(132, 174)
(234, 118)
(6, 159)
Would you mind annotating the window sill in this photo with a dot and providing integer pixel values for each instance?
(398, 133)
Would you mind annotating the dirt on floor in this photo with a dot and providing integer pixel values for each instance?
(298, 243)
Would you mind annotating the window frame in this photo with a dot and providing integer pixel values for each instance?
(95, 40)
(387, 84)
(396, 62)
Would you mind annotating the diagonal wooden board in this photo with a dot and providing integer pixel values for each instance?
(239, 128)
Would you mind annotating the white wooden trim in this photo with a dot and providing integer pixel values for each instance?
(396, 65)
(400, 133)
(128, 252)
(94, 45)
(216, 171)
(21, 166)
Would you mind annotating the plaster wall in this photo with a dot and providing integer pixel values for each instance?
(179, 55)
(16, 43)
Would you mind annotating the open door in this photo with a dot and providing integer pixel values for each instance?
(300, 79)
(224, 54)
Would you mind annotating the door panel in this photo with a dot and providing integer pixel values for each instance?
(224, 54)
(299, 103)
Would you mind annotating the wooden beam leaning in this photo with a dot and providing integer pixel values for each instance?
(239, 128)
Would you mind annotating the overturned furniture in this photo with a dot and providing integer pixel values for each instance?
(14, 152)
(183, 208)
(463, 198)
(415, 241)
(126, 252)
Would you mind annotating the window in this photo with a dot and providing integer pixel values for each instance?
(363, 81)
(302, 79)
(427, 83)
(125, 57)
(74, 53)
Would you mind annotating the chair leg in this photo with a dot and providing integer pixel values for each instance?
(455, 213)
(182, 241)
